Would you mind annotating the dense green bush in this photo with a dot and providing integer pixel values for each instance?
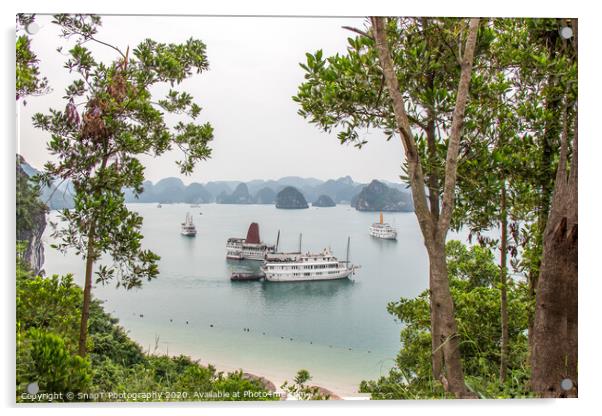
(45, 359)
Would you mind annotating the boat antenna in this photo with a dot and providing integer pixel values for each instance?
(300, 240)
(277, 240)
(348, 242)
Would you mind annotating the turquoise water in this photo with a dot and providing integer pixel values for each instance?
(338, 330)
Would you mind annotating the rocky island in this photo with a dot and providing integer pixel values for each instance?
(239, 196)
(290, 198)
(324, 201)
(265, 196)
(379, 197)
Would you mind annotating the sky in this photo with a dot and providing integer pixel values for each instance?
(246, 95)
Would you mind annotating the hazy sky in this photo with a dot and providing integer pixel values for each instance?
(245, 95)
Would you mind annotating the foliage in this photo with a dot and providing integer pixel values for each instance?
(28, 78)
(50, 304)
(347, 92)
(474, 264)
(477, 306)
(301, 390)
(513, 133)
(97, 147)
(44, 358)
(48, 311)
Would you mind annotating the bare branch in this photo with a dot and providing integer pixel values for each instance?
(358, 31)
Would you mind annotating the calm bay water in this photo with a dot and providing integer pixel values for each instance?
(338, 330)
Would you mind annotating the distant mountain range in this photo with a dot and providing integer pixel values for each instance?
(172, 190)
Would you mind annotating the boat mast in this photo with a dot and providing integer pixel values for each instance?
(277, 241)
(300, 240)
(348, 242)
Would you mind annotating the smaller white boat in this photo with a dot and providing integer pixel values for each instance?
(188, 228)
(383, 230)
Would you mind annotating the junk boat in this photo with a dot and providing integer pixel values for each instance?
(383, 230)
(250, 248)
(298, 267)
(188, 228)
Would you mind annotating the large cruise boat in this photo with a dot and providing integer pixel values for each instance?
(298, 267)
(188, 228)
(250, 248)
(383, 230)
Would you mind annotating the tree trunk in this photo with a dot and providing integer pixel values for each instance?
(83, 328)
(445, 341)
(436, 336)
(503, 286)
(554, 350)
(445, 333)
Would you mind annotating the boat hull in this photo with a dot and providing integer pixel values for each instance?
(288, 277)
(384, 237)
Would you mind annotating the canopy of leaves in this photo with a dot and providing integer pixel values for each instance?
(111, 119)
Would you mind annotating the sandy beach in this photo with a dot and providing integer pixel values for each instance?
(342, 390)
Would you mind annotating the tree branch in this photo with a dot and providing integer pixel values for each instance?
(415, 173)
(358, 31)
(453, 147)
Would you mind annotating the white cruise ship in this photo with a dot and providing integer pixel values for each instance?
(383, 230)
(188, 228)
(250, 248)
(298, 267)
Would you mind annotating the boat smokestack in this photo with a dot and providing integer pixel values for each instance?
(253, 234)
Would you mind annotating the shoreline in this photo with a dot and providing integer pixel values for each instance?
(277, 378)
(341, 389)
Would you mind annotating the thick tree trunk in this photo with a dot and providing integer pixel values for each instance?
(83, 328)
(554, 349)
(503, 286)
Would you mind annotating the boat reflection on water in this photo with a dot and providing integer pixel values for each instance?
(304, 292)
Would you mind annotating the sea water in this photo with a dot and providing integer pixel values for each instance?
(340, 331)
